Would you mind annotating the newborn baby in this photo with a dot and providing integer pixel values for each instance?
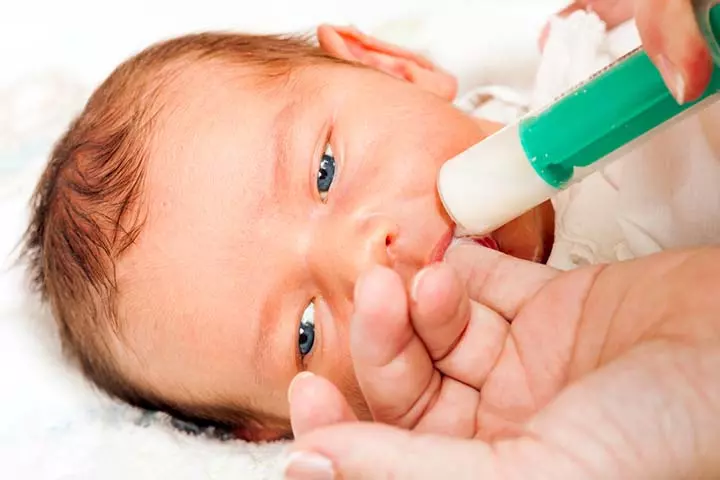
(201, 225)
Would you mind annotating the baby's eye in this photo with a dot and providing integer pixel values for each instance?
(306, 332)
(326, 173)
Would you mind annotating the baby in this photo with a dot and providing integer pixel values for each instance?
(201, 225)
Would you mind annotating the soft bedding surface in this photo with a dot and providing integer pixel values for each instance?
(53, 424)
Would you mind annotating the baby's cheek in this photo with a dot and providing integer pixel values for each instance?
(337, 365)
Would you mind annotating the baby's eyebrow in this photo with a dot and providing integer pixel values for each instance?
(282, 127)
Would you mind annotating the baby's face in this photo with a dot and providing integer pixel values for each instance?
(262, 202)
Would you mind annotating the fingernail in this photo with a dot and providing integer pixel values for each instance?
(415, 287)
(673, 78)
(294, 381)
(308, 466)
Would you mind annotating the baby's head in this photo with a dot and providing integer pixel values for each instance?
(218, 192)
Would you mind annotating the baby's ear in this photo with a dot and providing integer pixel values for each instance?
(352, 45)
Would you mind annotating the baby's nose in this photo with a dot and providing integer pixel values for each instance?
(376, 236)
(362, 242)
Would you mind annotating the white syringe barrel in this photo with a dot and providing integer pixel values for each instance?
(491, 183)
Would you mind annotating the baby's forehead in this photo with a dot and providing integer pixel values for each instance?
(211, 103)
(191, 77)
(206, 98)
(189, 81)
(208, 172)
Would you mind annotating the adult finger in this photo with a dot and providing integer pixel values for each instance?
(463, 338)
(496, 280)
(395, 372)
(315, 402)
(671, 37)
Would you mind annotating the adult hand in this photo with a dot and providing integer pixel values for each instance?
(421, 361)
(605, 372)
(670, 36)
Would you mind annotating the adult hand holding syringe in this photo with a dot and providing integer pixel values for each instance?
(670, 36)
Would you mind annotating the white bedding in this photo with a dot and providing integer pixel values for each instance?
(53, 425)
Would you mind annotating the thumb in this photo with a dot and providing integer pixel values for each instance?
(378, 451)
(672, 39)
(315, 402)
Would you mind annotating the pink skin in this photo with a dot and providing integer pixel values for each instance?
(238, 240)
(497, 368)
(578, 372)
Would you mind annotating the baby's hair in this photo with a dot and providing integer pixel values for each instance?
(85, 211)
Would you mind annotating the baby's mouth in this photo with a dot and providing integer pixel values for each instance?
(451, 237)
(487, 241)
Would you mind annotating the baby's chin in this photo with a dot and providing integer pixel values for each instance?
(530, 236)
